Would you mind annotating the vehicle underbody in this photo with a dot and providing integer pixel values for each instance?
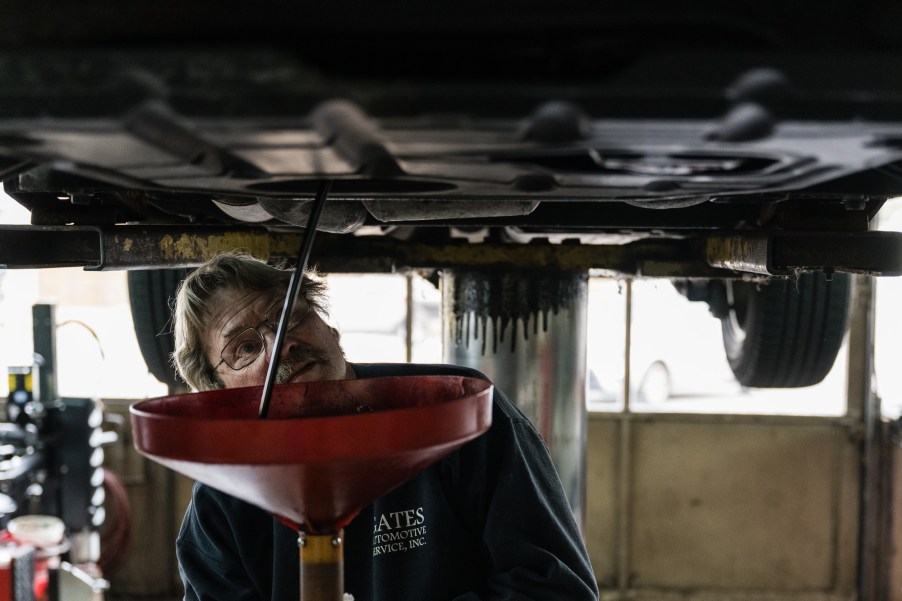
(722, 150)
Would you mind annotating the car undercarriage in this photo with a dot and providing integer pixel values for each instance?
(725, 150)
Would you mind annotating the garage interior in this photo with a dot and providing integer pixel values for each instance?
(673, 505)
(499, 169)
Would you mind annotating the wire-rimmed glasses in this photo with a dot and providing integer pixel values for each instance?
(244, 348)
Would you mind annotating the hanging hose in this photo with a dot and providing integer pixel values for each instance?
(116, 538)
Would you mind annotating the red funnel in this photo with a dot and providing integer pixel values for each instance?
(327, 450)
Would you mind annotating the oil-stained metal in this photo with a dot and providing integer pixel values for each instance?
(526, 330)
(388, 211)
(784, 253)
(697, 254)
(866, 253)
(739, 252)
(339, 216)
(133, 247)
(485, 305)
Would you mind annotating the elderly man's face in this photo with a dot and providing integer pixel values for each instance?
(311, 350)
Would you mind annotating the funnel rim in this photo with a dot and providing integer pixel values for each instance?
(137, 408)
(312, 440)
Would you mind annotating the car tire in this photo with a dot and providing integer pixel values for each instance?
(787, 332)
(151, 294)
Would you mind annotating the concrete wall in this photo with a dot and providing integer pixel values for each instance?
(762, 507)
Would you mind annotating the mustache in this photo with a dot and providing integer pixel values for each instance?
(298, 356)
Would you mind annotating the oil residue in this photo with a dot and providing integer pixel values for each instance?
(486, 304)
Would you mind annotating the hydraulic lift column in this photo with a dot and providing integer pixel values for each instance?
(526, 330)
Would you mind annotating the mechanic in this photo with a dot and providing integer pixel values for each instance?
(491, 520)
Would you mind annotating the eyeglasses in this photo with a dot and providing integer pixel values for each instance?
(244, 348)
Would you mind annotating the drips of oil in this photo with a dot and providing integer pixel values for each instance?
(491, 304)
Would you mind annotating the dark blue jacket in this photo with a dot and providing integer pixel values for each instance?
(489, 521)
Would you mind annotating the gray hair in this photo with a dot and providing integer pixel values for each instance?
(233, 270)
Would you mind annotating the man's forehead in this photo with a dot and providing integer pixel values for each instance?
(230, 307)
